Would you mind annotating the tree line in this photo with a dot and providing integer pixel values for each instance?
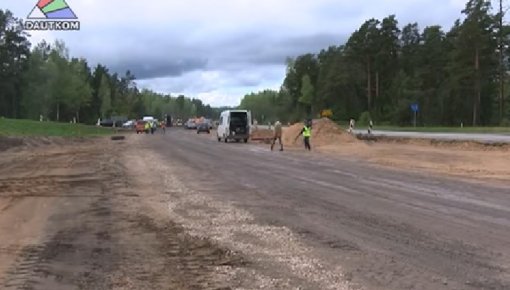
(44, 80)
(456, 76)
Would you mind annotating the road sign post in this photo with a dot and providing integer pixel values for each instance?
(415, 108)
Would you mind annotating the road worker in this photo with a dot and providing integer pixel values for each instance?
(277, 135)
(163, 127)
(153, 126)
(147, 127)
(307, 134)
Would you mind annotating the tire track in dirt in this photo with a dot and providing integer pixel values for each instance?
(52, 175)
(102, 230)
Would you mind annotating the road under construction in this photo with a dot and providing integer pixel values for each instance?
(183, 211)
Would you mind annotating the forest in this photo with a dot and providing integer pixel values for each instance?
(459, 76)
(44, 80)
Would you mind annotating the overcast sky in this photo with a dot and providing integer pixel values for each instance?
(220, 50)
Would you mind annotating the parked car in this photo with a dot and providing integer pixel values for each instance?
(111, 123)
(203, 127)
(106, 123)
(118, 121)
(129, 124)
(191, 124)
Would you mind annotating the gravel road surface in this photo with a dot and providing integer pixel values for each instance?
(183, 211)
(384, 229)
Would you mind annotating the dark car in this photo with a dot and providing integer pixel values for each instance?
(203, 127)
(116, 121)
(169, 122)
(210, 123)
(111, 123)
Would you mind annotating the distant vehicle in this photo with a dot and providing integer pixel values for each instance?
(190, 124)
(129, 124)
(116, 121)
(111, 123)
(140, 127)
(234, 125)
(106, 123)
(148, 118)
(209, 122)
(168, 120)
(203, 127)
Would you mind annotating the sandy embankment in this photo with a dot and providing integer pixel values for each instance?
(467, 159)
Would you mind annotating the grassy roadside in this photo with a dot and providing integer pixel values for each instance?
(11, 127)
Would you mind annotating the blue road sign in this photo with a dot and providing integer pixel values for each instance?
(415, 107)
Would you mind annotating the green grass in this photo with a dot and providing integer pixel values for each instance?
(11, 127)
(480, 130)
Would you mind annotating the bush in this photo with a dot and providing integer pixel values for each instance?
(327, 114)
(364, 118)
(505, 122)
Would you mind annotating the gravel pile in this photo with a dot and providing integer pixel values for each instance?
(324, 132)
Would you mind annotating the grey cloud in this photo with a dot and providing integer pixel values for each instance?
(248, 82)
(157, 68)
(315, 41)
(260, 49)
(166, 58)
(162, 52)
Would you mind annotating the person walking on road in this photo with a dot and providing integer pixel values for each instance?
(163, 127)
(154, 126)
(277, 135)
(307, 134)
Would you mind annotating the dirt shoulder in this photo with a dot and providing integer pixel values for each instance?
(87, 215)
(461, 159)
(476, 162)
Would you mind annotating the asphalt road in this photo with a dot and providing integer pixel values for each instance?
(485, 138)
(388, 229)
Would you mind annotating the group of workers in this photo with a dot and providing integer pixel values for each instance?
(151, 126)
(306, 132)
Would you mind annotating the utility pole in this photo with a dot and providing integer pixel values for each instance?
(502, 70)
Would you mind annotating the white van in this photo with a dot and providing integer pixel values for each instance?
(234, 125)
